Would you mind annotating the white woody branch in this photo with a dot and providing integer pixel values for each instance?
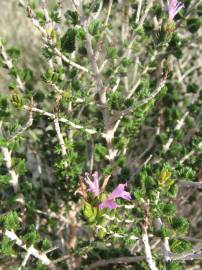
(8, 161)
(70, 62)
(143, 101)
(158, 225)
(191, 153)
(47, 38)
(190, 184)
(62, 120)
(61, 140)
(100, 88)
(31, 250)
(9, 64)
(23, 128)
(147, 248)
(180, 124)
(145, 239)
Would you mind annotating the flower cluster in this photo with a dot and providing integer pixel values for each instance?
(110, 201)
(173, 8)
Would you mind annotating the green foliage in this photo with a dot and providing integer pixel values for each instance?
(19, 166)
(16, 100)
(40, 266)
(4, 109)
(193, 24)
(165, 232)
(55, 15)
(199, 10)
(174, 266)
(89, 212)
(40, 16)
(112, 53)
(180, 225)
(175, 46)
(115, 100)
(10, 220)
(68, 40)
(167, 209)
(32, 237)
(95, 28)
(71, 17)
(100, 151)
(14, 53)
(164, 180)
(180, 246)
(186, 172)
(6, 246)
(4, 180)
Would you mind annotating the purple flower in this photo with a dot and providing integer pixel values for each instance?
(173, 8)
(93, 185)
(118, 192)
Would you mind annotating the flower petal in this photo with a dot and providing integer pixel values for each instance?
(96, 183)
(173, 8)
(119, 192)
(93, 185)
(108, 203)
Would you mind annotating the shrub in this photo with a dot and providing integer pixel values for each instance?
(100, 136)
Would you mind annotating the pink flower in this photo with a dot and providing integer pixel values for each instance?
(173, 8)
(118, 192)
(93, 186)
